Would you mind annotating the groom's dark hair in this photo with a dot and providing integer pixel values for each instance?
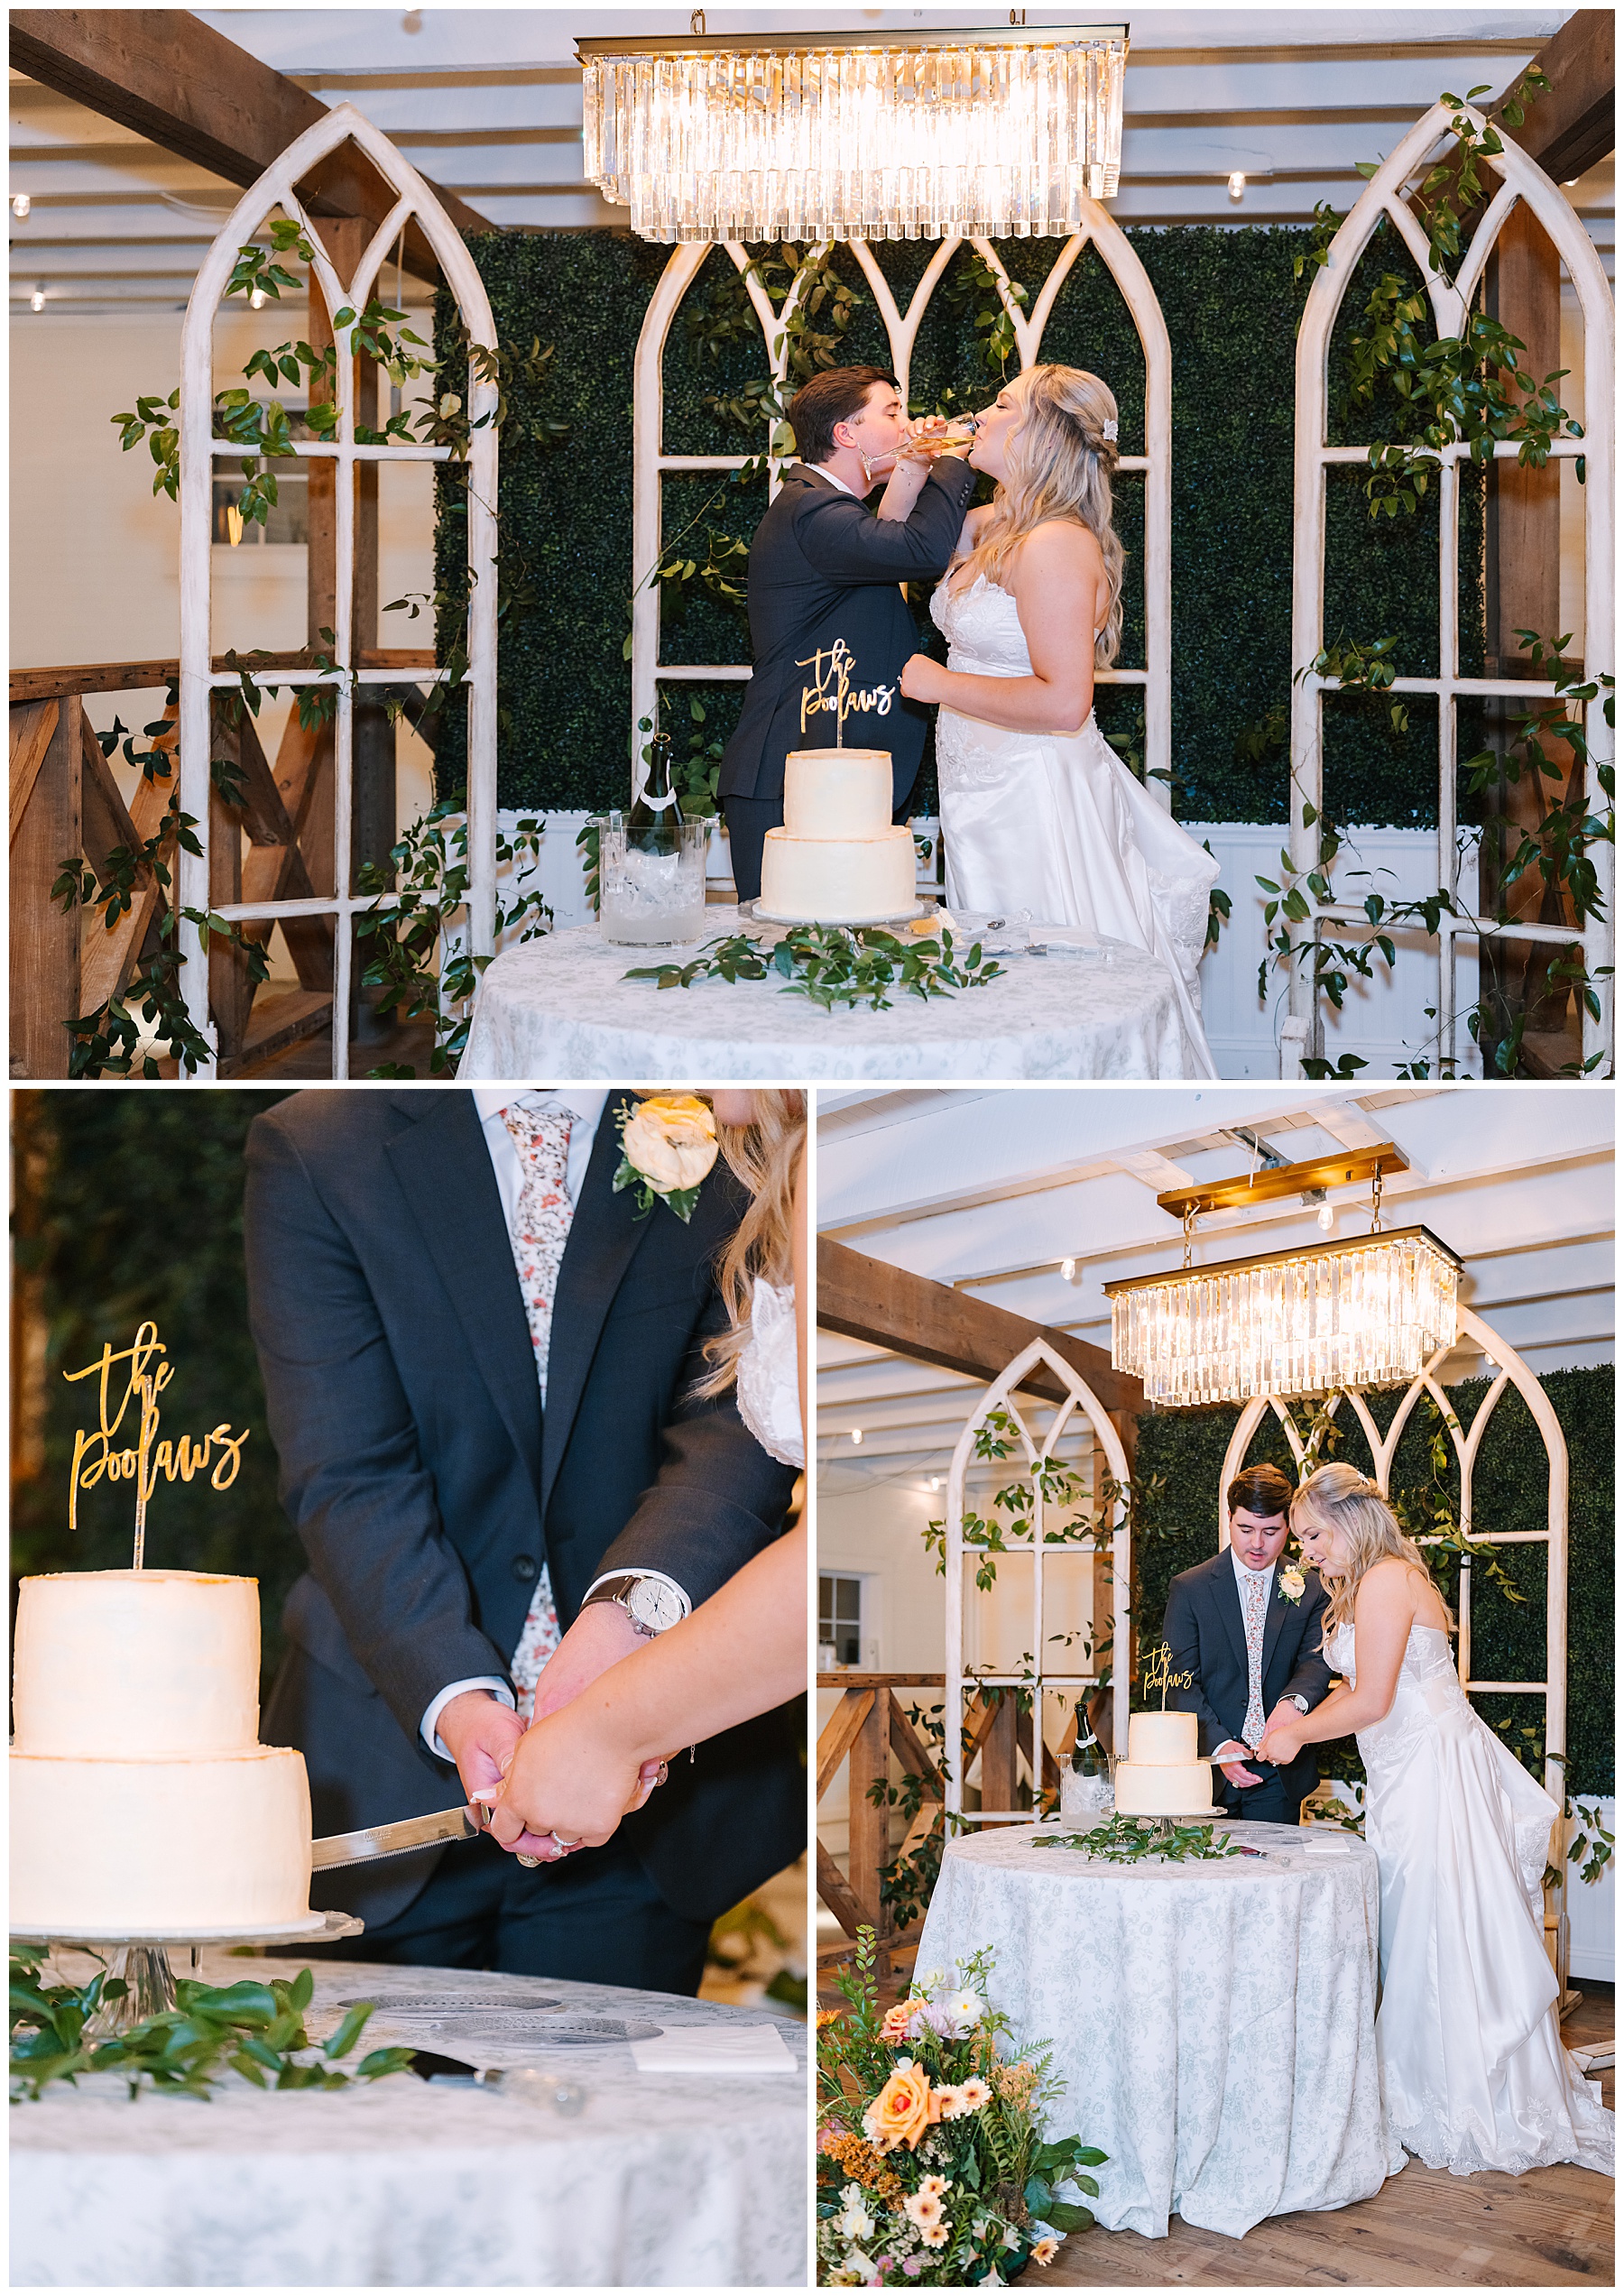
(1261, 1490)
(828, 399)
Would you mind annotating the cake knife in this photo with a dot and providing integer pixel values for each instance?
(361, 1847)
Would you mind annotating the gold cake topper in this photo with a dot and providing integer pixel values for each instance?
(1159, 1674)
(841, 700)
(95, 1455)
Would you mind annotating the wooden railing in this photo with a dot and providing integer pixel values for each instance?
(867, 1727)
(276, 844)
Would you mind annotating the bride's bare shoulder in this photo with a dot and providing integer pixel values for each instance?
(1059, 544)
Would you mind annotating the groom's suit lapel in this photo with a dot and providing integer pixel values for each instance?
(603, 1236)
(445, 1174)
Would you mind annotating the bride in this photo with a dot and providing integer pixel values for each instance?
(577, 1771)
(1474, 2075)
(1039, 813)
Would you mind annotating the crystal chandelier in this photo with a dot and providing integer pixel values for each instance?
(1366, 1312)
(996, 134)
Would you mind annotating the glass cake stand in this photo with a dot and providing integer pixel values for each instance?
(143, 1960)
(752, 913)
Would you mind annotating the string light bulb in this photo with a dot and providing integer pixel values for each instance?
(1068, 1271)
(1237, 185)
(21, 207)
(857, 1434)
(36, 301)
(257, 301)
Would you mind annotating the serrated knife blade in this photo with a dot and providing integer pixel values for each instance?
(361, 1847)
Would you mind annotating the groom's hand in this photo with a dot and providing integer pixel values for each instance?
(1235, 1770)
(602, 1636)
(481, 1734)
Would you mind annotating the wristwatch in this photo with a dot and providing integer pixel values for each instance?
(652, 1605)
(1297, 1700)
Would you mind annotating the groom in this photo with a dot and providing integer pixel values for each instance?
(1253, 1645)
(477, 1459)
(825, 575)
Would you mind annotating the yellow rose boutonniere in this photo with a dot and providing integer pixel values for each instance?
(667, 1145)
(1292, 1583)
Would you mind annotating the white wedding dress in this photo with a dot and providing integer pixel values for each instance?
(1474, 2075)
(1054, 825)
(769, 1377)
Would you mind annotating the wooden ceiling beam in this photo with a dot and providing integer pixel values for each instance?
(181, 85)
(1570, 127)
(868, 1299)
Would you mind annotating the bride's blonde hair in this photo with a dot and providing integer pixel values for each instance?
(765, 1156)
(1058, 463)
(1347, 1503)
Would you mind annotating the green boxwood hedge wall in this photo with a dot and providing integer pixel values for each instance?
(115, 1249)
(1231, 310)
(1177, 1528)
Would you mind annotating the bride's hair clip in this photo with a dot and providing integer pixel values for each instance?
(1108, 430)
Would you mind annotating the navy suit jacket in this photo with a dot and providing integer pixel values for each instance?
(823, 568)
(1205, 1634)
(428, 1486)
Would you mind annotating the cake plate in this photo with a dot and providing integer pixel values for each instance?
(752, 913)
(143, 1960)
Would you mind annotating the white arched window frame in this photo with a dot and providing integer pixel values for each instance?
(1384, 195)
(1078, 1406)
(1510, 1371)
(650, 461)
(274, 193)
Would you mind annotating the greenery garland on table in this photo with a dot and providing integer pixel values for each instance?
(1130, 1842)
(254, 2028)
(832, 966)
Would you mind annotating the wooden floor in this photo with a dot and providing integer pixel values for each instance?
(1552, 2229)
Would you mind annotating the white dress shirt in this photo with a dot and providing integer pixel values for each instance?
(1267, 1576)
(489, 1101)
(823, 471)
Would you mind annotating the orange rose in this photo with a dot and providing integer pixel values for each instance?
(903, 2110)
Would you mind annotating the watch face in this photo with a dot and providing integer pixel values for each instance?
(654, 1605)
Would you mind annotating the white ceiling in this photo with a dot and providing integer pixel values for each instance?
(991, 1190)
(488, 102)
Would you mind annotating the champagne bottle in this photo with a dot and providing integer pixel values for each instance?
(655, 820)
(1088, 1755)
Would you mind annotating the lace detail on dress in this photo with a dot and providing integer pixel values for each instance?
(769, 1376)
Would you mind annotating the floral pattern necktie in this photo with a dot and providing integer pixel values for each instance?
(539, 1232)
(1254, 1587)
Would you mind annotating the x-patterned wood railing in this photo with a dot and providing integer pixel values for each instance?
(276, 844)
(868, 1728)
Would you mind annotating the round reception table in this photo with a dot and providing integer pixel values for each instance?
(561, 1007)
(690, 2174)
(1214, 2023)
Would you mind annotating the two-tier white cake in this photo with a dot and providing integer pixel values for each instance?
(1163, 1776)
(837, 860)
(141, 1801)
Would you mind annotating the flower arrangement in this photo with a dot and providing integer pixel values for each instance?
(1292, 1583)
(667, 1145)
(932, 2169)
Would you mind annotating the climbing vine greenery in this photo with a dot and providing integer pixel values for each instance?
(409, 937)
(1433, 396)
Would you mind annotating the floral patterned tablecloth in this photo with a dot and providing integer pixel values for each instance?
(674, 2180)
(561, 1007)
(1215, 2024)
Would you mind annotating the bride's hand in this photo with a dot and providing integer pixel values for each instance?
(1281, 1744)
(568, 1781)
(921, 678)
